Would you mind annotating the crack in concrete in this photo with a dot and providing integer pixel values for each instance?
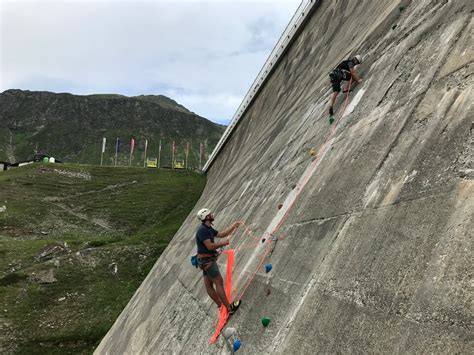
(194, 298)
(389, 88)
(305, 292)
(376, 208)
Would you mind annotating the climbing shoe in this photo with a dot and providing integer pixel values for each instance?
(234, 306)
(331, 111)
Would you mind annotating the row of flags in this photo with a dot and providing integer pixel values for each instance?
(132, 148)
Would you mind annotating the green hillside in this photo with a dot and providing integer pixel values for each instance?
(76, 241)
(71, 127)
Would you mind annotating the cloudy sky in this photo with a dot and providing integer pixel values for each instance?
(203, 54)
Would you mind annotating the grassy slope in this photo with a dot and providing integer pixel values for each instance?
(120, 216)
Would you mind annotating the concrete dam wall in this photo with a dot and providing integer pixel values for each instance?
(371, 238)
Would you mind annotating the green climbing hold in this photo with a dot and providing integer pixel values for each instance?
(265, 321)
(394, 26)
(401, 8)
(331, 120)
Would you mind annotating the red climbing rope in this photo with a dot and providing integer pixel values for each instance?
(268, 238)
(223, 312)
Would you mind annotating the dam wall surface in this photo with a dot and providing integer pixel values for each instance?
(370, 238)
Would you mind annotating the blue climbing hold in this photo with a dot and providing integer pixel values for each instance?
(237, 344)
(268, 267)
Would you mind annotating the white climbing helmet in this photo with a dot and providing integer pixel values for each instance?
(358, 57)
(203, 213)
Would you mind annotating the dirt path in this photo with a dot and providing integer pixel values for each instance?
(107, 188)
(97, 221)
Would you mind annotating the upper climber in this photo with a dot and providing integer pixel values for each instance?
(343, 72)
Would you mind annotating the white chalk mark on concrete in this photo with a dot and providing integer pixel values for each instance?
(352, 105)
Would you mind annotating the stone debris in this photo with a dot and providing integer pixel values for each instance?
(43, 277)
(52, 251)
(81, 175)
(113, 268)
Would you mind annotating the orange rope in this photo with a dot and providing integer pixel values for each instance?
(303, 184)
(223, 314)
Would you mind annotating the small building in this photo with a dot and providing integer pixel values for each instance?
(45, 158)
(36, 159)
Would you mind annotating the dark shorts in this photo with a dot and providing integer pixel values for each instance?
(212, 270)
(337, 77)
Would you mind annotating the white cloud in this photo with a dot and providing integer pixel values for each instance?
(203, 54)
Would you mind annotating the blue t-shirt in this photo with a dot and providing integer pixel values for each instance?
(204, 232)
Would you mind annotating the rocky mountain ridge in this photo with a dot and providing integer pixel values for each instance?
(71, 127)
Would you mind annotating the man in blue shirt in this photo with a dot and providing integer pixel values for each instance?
(207, 258)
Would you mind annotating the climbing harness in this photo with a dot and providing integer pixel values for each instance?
(338, 74)
(203, 261)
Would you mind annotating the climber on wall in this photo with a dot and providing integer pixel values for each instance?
(207, 258)
(343, 72)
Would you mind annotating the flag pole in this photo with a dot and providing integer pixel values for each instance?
(132, 145)
(187, 154)
(103, 150)
(200, 156)
(116, 151)
(172, 158)
(146, 147)
(159, 155)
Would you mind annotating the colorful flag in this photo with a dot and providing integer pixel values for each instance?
(117, 148)
(187, 154)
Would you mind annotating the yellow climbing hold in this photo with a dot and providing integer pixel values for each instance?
(312, 152)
